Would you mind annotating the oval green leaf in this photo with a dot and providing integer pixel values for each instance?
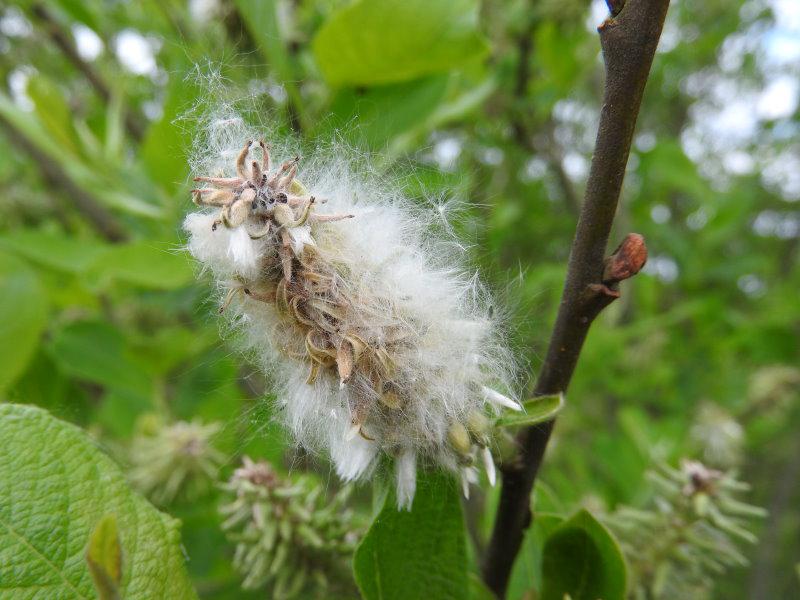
(582, 560)
(97, 351)
(56, 486)
(60, 253)
(23, 314)
(527, 572)
(143, 264)
(416, 554)
(372, 42)
(535, 410)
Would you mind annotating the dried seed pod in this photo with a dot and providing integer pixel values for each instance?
(391, 399)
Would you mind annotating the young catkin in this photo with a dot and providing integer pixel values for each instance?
(379, 339)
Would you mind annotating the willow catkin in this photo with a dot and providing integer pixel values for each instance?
(378, 337)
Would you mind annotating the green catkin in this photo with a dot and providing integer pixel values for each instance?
(290, 539)
(174, 461)
(692, 531)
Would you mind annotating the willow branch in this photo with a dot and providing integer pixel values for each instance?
(628, 40)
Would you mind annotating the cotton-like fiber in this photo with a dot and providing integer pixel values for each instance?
(357, 302)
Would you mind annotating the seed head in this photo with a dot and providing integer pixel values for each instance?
(380, 340)
(289, 537)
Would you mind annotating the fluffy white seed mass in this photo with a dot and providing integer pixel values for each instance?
(358, 304)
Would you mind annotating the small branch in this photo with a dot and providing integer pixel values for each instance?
(520, 129)
(524, 50)
(87, 205)
(64, 42)
(628, 41)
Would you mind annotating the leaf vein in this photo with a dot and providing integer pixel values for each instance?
(47, 561)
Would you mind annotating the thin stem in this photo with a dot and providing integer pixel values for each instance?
(548, 147)
(628, 41)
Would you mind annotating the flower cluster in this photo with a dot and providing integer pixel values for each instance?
(175, 460)
(380, 341)
(289, 537)
(691, 532)
(719, 435)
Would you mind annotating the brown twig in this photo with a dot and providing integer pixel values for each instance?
(548, 148)
(133, 124)
(524, 50)
(86, 204)
(628, 41)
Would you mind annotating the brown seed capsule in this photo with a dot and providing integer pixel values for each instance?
(319, 349)
(391, 400)
(344, 362)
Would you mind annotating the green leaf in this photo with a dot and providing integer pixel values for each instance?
(55, 487)
(23, 314)
(149, 265)
(463, 104)
(416, 554)
(536, 410)
(67, 254)
(384, 41)
(144, 264)
(163, 150)
(54, 113)
(55, 392)
(118, 412)
(478, 589)
(104, 557)
(83, 175)
(527, 572)
(97, 352)
(377, 115)
(581, 558)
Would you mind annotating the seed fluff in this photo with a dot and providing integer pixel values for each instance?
(358, 304)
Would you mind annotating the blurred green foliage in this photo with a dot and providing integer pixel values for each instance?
(494, 104)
